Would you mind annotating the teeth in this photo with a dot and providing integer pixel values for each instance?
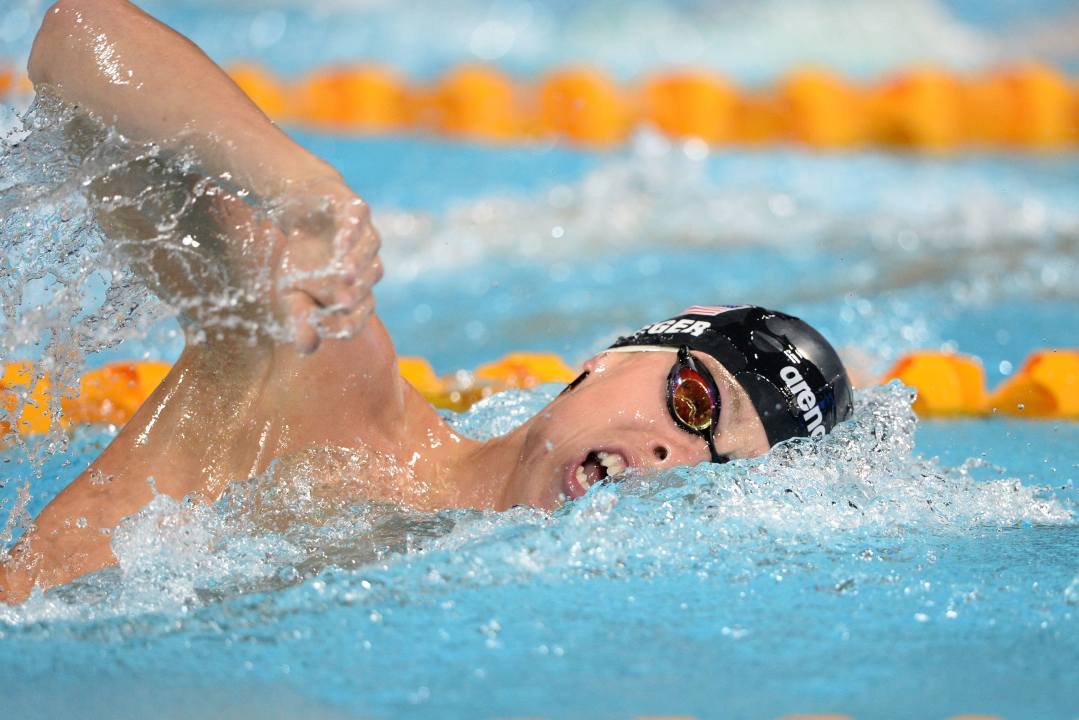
(614, 463)
(582, 478)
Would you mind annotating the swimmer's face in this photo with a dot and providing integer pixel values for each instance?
(617, 417)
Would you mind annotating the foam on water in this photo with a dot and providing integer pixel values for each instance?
(863, 484)
(901, 219)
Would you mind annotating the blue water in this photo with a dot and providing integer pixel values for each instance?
(900, 569)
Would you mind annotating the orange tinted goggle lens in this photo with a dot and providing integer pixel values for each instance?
(692, 401)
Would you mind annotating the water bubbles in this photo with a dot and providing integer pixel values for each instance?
(267, 28)
(907, 240)
(782, 206)
(422, 313)
(1071, 593)
(491, 630)
(734, 633)
(696, 149)
(476, 331)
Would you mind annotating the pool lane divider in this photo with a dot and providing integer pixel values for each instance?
(1046, 386)
(950, 384)
(1024, 105)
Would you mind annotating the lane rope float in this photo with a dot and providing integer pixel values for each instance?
(1021, 106)
(948, 385)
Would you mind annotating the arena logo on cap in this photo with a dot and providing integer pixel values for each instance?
(805, 399)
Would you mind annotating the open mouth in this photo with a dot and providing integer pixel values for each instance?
(597, 466)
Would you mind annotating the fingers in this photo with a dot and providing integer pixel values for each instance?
(325, 280)
(311, 319)
(330, 279)
(352, 218)
(339, 289)
(345, 325)
(301, 309)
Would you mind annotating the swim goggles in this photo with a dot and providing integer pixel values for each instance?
(693, 400)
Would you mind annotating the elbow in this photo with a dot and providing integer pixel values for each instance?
(64, 21)
(59, 22)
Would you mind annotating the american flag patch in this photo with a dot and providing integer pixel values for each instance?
(710, 310)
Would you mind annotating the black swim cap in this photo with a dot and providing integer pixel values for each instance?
(792, 375)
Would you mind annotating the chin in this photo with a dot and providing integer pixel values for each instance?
(535, 482)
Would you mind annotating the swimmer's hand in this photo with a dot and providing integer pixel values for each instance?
(326, 263)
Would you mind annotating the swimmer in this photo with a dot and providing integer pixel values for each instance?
(713, 383)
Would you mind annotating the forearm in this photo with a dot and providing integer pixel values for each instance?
(154, 85)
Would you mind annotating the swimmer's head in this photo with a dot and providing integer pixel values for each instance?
(792, 375)
(712, 383)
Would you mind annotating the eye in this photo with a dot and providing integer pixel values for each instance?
(693, 403)
(577, 381)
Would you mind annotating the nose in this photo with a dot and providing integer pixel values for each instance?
(660, 452)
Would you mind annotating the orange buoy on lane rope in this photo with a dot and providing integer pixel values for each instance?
(526, 370)
(1041, 105)
(699, 104)
(822, 110)
(369, 98)
(1024, 106)
(1046, 386)
(112, 393)
(420, 375)
(947, 383)
(921, 108)
(988, 109)
(1075, 113)
(476, 101)
(25, 397)
(264, 89)
(7, 79)
(758, 118)
(585, 106)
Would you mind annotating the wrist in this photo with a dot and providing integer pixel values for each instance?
(268, 163)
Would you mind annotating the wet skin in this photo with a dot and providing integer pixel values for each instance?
(233, 403)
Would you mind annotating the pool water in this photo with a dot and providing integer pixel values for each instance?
(898, 569)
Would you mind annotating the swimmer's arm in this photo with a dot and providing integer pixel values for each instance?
(154, 85)
(68, 539)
